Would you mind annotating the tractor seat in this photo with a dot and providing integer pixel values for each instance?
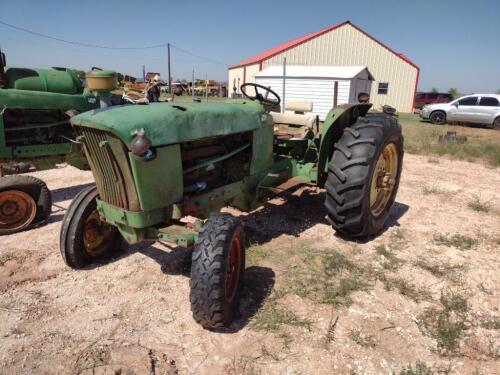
(295, 123)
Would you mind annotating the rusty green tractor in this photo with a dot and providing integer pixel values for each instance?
(157, 165)
(35, 108)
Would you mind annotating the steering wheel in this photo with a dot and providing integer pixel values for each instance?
(263, 99)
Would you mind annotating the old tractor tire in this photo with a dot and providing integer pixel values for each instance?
(363, 176)
(25, 201)
(438, 118)
(85, 238)
(217, 268)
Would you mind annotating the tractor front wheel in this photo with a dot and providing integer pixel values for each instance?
(217, 268)
(363, 176)
(85, 238)
(24, 201)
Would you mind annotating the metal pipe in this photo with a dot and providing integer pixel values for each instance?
(284, 79)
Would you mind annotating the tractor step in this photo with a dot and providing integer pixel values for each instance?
(294, 181)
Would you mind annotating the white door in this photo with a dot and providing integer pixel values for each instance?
(463, 109)
(487, 109)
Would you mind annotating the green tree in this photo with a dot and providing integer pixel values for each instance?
(434, 90)
(453, 92)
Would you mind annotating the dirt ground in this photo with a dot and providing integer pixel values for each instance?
(132, 316)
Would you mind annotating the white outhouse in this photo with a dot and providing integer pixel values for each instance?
(324, 86)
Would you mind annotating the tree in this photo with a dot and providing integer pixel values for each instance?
(434, 90)
(498, 91)
(453, 92)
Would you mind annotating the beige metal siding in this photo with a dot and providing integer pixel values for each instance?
(347, 46)
(245, 74)
(234, 75)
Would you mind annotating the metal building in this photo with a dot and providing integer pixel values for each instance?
(315, 83)
(344, 44)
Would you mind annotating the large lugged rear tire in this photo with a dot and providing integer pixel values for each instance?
(84, 238)
(217, 271)
(24, 201)
(363, 176)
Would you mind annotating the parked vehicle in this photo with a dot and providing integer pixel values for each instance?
(423, 98)
(475, 109)
(154, 165)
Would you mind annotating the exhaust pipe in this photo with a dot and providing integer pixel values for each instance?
(3, 63)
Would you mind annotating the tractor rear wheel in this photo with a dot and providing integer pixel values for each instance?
(363, 176)
(217, 270)
(24, 202)
(85, 238)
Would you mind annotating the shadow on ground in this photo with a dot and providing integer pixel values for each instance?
(63, 194)
(297, 211)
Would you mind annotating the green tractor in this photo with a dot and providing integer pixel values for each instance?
(156, 165)
(35, 108)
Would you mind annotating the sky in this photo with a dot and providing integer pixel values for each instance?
(455, 43)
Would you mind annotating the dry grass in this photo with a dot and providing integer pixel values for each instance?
(476, 204)
(460, 241)
(422, 138)
(447, 323)
(362, 339)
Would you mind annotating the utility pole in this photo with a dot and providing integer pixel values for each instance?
(169, 74)
(144, 73)
(192, 87)
(284, 81)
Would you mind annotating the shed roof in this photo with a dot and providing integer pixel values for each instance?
(296, 71)
(295, 42)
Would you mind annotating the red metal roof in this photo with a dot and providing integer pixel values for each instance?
(293, 43)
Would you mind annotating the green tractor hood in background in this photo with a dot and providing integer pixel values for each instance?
(169, 123)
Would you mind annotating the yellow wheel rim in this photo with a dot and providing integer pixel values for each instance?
(98, 236)
(17, 210)
(384, 179)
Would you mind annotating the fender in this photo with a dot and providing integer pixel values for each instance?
(337, 119)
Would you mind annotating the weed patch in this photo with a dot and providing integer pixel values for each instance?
(420, 369)
(476, 204)
(271, 317)
(460, 241)
(441, 270)
(363, 340)
(405, 288)
(326, 277)
(446, 324)
(389, 260)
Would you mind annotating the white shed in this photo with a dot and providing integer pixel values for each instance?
(322, 85)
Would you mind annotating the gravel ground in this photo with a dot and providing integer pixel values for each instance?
(132, 316)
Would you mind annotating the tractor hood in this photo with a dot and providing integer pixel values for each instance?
(169, 123)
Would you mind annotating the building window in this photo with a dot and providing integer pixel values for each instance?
(383, 88)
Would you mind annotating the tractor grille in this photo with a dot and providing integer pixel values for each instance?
(109, 176)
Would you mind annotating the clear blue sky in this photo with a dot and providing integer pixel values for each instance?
(456, 43)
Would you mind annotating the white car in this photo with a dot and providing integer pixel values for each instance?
(477, 109)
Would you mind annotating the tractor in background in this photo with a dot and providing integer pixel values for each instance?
(156, 166)
(35, 109)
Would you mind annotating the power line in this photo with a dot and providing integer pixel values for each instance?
(198, 56)
(76, 43)
(108, 47)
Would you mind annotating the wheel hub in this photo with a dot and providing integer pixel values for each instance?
(384, 179)
(233, 269)
(97, 234)
(17, 210)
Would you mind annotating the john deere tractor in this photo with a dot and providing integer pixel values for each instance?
(35, 108)
(156, 165)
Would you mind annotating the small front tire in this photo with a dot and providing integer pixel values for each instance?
(85, 238)
(217, 268)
